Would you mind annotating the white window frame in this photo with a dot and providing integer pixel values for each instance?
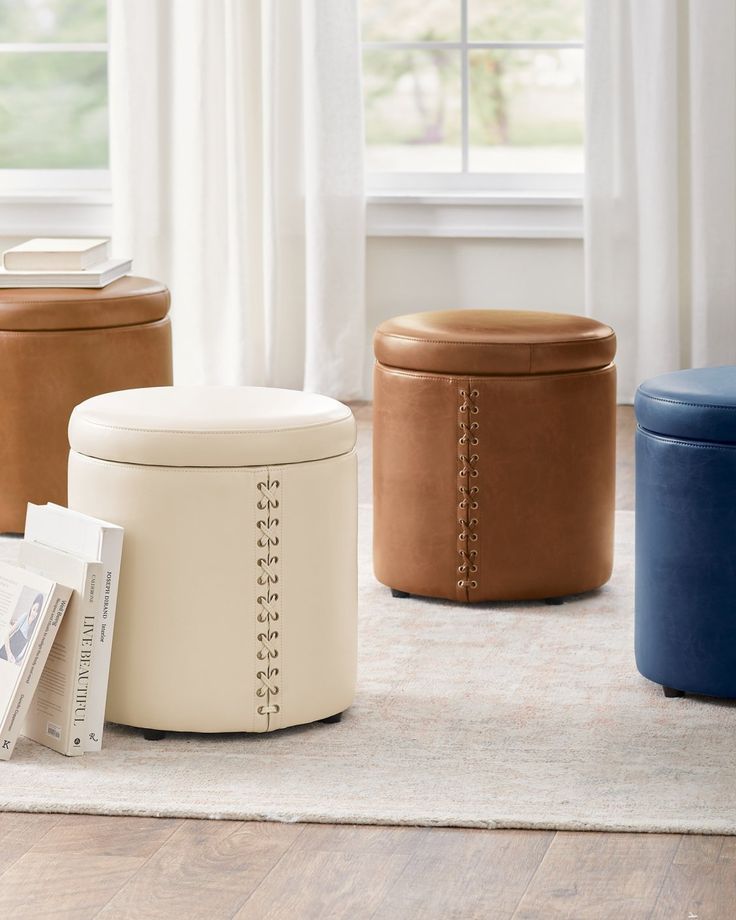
(37, 202)
(48, 202)
(465, 204)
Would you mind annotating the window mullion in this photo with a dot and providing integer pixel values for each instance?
(51, 47)
(474, 45)
(465, 84)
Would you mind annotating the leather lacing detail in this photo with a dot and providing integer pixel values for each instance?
(468, 492)
(267, 603)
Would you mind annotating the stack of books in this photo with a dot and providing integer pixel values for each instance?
(61, 263)
(57, 615)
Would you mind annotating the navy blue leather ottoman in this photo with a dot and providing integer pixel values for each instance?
(686, 531)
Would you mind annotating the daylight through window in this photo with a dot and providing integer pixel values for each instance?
(53, 84)
(473, 86)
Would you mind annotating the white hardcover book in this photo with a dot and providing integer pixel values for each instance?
(56, 254)
(90, 538)
(97, 276)
(31, 611)
(58, 713)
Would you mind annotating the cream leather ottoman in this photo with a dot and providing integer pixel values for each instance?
(237, 606)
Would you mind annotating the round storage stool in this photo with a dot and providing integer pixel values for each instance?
(57, 348)
(237, 604)
(494, 454)
(686, 530)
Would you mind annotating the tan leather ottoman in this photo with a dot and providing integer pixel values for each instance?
(58, 347)
(494, 454)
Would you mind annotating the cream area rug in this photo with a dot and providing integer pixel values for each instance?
(496, 715)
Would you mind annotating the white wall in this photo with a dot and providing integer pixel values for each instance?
(408, 275)
(405, 275)
(7, 241)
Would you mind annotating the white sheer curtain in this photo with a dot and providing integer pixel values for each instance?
(661, 181)
(236, 158)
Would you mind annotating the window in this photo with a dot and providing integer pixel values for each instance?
(53, 93)
(473, 94)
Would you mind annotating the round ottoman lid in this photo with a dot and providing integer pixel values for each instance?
(494, 342)
(696, 404)
(128, 301)
(211, 426)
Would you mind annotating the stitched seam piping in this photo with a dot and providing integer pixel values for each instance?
(207, 433)
(680, 402)
(94, 300)
(579, 341)
(268, 537)
(450, 377)
(698, 445)
(80, 330)
(442, 377)
(467, 489)
(219, 468)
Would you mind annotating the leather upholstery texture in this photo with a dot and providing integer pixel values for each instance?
(494, 342)
(47, 366)
(237, 607)
(494, 486)
(699, 404)
(685, 635)
(129, 301)
(212, 426)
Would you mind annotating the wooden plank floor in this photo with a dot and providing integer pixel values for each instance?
(80, 867)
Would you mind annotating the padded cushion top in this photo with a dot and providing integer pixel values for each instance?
(211, 426)
(494, 342)
(126, 302)
(696, 404)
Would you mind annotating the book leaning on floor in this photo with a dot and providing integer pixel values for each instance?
(31, 611)
(57, 716)
(93, 541)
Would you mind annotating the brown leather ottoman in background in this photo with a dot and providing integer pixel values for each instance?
(58, 347)
(494, 454)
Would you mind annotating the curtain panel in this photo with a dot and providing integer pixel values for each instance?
(660, 201)
(237, 174)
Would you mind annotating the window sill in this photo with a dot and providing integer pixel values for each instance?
(491, 215)
(51, 212)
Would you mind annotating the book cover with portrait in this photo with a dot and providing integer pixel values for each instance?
(31, 610)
